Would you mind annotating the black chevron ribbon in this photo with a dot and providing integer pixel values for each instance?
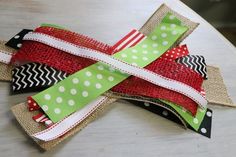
(35, 76)
(195, 62)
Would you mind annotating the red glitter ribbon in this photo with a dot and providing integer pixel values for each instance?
(37, 52)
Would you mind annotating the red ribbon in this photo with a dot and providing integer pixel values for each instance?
(37, 52)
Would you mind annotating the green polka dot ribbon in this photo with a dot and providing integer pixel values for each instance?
(52, 25)
(195, 121)
(84, 86)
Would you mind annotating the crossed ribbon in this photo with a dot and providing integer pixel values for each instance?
(75, 50)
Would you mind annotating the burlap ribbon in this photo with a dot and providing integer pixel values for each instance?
(24, 117)
(5, 70)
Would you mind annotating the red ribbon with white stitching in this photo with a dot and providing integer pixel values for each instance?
(68, 123)
(120, 65)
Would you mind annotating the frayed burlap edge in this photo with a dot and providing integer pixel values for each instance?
(5, 72)
(25, 117)
(216, 91)
(5, 69)
(159, 14)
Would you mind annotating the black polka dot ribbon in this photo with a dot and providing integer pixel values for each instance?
(34, 77)
(164, 111)
(205, 127)
(16, 41)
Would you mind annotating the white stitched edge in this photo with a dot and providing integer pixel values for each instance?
(47, 135)
(63, 126)
(5, 57)
(119, 64)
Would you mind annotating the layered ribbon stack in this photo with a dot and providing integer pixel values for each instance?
(78, 76)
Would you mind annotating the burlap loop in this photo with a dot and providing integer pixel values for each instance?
(25, 117)
(216, 91)
(158, 15)
(5, 70)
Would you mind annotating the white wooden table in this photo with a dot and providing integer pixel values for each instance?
(125, 130)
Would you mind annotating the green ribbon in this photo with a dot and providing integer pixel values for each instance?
(51, 25)
(194, 122)
(84, 86)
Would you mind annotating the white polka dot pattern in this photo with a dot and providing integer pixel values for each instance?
(82, 87)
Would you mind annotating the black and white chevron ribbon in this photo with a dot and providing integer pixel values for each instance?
(195, 62)
(35, 76)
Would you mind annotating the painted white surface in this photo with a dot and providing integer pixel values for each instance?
(125, 130)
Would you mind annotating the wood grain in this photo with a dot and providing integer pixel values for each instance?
(125, 130)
